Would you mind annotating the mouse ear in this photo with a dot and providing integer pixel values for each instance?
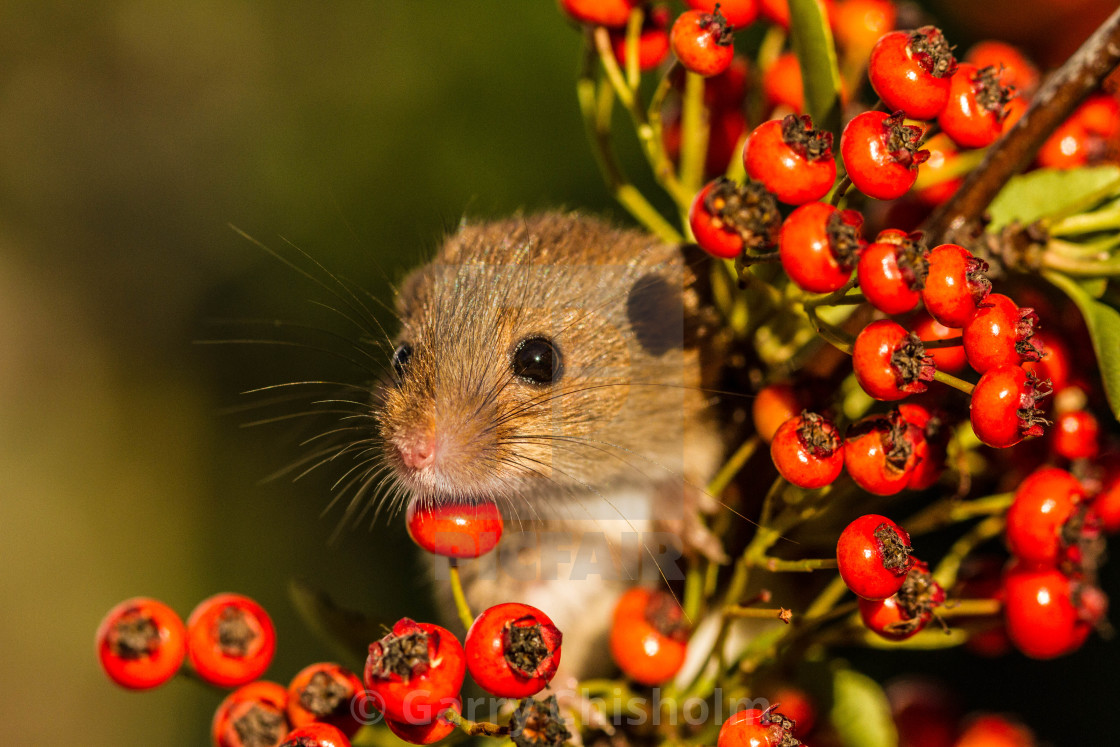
(702, 322)
(670, 308)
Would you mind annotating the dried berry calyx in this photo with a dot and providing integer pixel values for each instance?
(134, 636)
(324, 695)
(810, 144)
(902, 141)
(843, 237)
(748, 209)
(919, 596)
(933, 52)
(991, 94)
(404, 655)
(260, 727)
(234, 632)
(895, 552)
(978, 283)
(664, 613)
(528, 645)
(912, 365)
(781, 734)
(910, 255)
(538, 723)
(896, 443)
(716, 24)
(818, 435)
(1032, 421)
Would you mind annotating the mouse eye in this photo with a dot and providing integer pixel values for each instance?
(401, 357)
(537, 360)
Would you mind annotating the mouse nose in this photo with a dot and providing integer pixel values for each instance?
(417, 449)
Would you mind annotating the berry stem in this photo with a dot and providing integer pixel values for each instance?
(694, 134)
(950, 511)
(649, 135)
(732, 466)
(958, 218)
(806, 565)
(596, 103)
(1086, 268)
(758, 613)
(948, 342)
(970, 608)
(953, 381)
(947, 570)
(461, 605)
(475, 728)
(840, 191)
(1099, 220)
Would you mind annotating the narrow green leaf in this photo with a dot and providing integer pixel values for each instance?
(1046, 192)
(820, 73)
(1103, 322)
(860, 711)
(348, 631)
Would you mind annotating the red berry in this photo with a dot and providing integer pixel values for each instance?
(327, 693)
(999, 334)
(910, 70)
(909, 610)
(798, 707)
(879, 453)
(873, 554)
(892, 273)
(1004, 407)
(940, 174)
(653, 40)
(808, 451)
(1043, 503)
(1087, 137)
(316, 735)
(415, 671)
(426, 733)
(230, 639)
(755, 728)
(781, 84)
(772, 406)
(955, 285)
(1045, 611)
(881, 154)
(649, 636)
(512, 650)
(889, 362)
(792, 159)
(141, 643)
(726, 217)
(858, 24)
(253, 715)
(951, 359)
(600, 12)
(702, 42)
(974, 115)
(453, 528)
(992, 730)
(1076, 434)
(739, 13)
(819, 245)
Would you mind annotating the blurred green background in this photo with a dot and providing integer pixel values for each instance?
(132, 134)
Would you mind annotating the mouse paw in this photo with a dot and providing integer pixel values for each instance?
(682, 512)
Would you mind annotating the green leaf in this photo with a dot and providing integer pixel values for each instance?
(1103, 322)
(348, 631)
(1046, 192)
(820, 74)
(860, 711)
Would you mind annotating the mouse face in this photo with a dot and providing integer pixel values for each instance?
(548, 355)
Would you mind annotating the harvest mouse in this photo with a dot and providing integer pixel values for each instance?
(558, 366)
